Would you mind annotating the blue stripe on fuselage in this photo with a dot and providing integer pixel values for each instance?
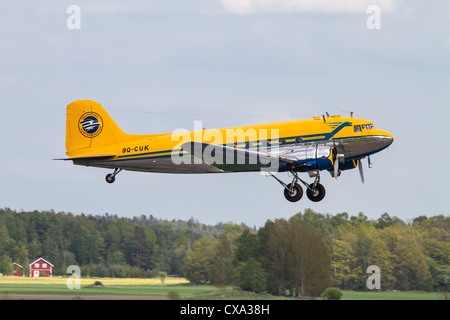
(326, 137)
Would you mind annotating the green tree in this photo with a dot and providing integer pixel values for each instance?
(246, 246)
(162, 254)
(179, 256)
(250, 275)
(162, 275)
(5, 240)
(200, 260)
(386, 221)
(115, 256)
(6, 265)
(411, 269)
(439, 251)
(140, 249)
(23, 260)
(309, 262)
(380, 256)
(296, 258)
(222, 263)
(345, 269)
(275, 239)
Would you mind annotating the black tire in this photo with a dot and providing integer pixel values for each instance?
(296, 195)
(110, 178)
(318, 194)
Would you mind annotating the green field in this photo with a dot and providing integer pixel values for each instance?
(185, 291)
(118, 287)
(392, 295)
(11, 287)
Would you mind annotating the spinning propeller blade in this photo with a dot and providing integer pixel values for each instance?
(337, 158)
(336, 168)
(361, 172)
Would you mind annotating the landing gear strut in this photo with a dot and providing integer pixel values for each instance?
(293, 192)
(111, 177)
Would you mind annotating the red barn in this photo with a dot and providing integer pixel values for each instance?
(18, 270)
(40, 268)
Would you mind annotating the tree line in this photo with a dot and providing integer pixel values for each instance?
(299, 256)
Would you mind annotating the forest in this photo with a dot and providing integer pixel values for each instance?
(300, 256)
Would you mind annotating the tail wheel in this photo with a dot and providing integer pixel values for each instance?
(293, 194)
(316, 193)
(110, 178)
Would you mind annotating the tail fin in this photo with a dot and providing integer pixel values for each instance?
(88, 125)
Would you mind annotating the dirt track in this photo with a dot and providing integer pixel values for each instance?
(74, 297)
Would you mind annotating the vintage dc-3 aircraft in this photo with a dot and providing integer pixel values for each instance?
(331, 143)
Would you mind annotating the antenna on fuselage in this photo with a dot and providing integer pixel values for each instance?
(351, 113)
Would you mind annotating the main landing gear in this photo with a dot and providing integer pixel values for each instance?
(293, 192)
(111, 177)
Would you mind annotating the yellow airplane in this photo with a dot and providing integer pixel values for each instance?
(331, 143)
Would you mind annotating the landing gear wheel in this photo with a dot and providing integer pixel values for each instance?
(110, 178)
(317, 193)
(295, 195)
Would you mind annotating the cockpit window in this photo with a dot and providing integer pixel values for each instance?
(370, 126)
(357, 128)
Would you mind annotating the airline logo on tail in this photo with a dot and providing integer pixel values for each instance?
(90, 124)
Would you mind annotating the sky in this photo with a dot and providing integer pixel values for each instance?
(158, 66)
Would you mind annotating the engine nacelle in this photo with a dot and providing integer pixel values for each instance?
(314, 158)
(311, 158)
(348, 164)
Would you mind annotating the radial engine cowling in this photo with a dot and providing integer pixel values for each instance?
(321, 158)
(314, 158)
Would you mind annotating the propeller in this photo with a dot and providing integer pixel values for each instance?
(361, 172)
(337, 158)
(336, 168)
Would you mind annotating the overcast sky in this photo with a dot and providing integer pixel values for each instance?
(158, 66)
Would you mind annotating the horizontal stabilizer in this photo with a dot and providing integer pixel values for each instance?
(102, 157)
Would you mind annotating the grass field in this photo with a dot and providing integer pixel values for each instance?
(18, 288)
(111, 286)
(392, 295)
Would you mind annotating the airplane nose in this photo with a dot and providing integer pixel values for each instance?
(387, 139)
(366, 145)
(383, 140)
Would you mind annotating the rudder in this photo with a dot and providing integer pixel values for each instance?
(88, 125)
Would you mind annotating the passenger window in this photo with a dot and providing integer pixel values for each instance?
(357, 128)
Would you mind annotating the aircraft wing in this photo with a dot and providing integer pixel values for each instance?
(235, 160)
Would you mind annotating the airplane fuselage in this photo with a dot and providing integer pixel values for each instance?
(302, 139)
(327, 143)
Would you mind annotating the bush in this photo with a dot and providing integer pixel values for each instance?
(173, 295)
(332, 294)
